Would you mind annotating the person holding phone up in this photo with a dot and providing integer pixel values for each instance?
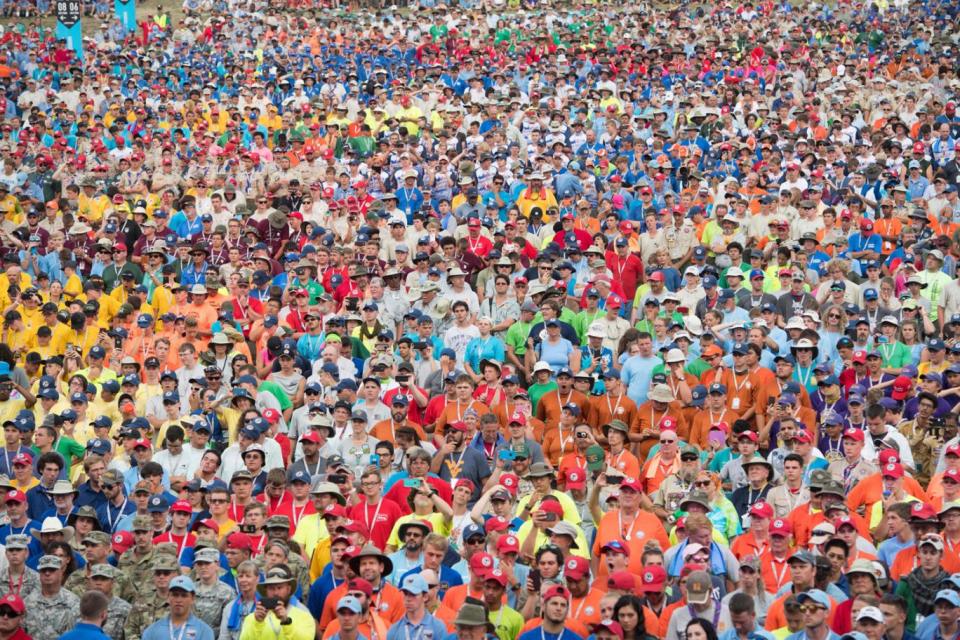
(274, 615)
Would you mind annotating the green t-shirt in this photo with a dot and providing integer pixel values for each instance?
(894, 356)
(277, 392)
(537, 391)
(516, 336)
(583, 320)
(68, 448)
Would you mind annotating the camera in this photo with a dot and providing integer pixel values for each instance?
(269, 603)
(337, 478)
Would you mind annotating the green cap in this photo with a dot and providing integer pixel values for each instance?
(595, 457)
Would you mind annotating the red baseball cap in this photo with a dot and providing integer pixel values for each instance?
(271, 415)
(652, 579)
(182, 506)
(497, 576)
(749, 435)
(209, 523)
(355, 526)
(576, 568)
(632, 484)
(866, 225)
(143, 442)
(621, 581)
(892, 470)
(15, 602)
(922, 511)
(859, 356)
(953, 474)
(518, 418)
(464, 482)
(359, 584)
(615, 546)
(576, 479)
(657, 276)
(510, 482)
(802, 435)
(15, 495)
(761, 509)
(613, 301)
(780, 527)
(24, 458)
(496, 523)
(239, 541)
(551, 506)
(334, 509)
(901, 387)
(556, 591)
(121, 541)
(952, 450)
(310, 436)
(481, 562)
(508, 544)
(886, 456)
(668, 423)
(457, 426)
(854, 434)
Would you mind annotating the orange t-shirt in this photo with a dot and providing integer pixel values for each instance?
(586, 610)
(869, 491)
(573, 625)
(775, 573)
(388, 604)
(645, 527)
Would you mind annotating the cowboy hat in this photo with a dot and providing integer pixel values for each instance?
(370, 551)
(52, 524)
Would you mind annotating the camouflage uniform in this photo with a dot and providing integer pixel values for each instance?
(299, 568)
(77, 582)
(30, 584)
(117, 613)
(924, 446)
(671, 492)
(211, 601)
(137, 575)
(49, 618)
(850, 477)
(144, 612)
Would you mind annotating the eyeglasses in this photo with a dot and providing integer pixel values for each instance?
(476, 540)
(218, 501)
(668, 441)
(702, 483)
(811, 608)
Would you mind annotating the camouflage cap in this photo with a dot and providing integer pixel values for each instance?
(49, 562)
(17, 541)
(165, 562)
(277, 522)
(167, 548)
(110, 478)
(207, 555)
(103, 571)
(101, 538)
(142, 523)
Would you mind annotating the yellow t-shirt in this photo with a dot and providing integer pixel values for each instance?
(436, 520)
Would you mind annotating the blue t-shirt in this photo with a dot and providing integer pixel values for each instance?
(537, 633)
(196, 629)
(85, 631)
(636, 374)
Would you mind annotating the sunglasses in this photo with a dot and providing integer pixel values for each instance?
(811, 608)
(218, 501)
(702, 483)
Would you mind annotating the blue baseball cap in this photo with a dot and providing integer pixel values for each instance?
(97, 352)
(78, 397)
(131, 378)
(349, 603)
(709, 282)
(698, 395)
(870, 294)
(183, 583)
(817, 596)
(111, 386)
(948, 595)
(472, 530)
(98, 446)
(414, 584)
(102, 422)
(740, 348)
(716, 387)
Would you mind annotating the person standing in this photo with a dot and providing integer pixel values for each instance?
(180, 623)
(93, 615)
(51, 611)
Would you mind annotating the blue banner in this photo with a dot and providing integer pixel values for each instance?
(69, 25)
(126, 13)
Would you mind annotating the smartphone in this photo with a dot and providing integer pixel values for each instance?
(412, 483)
(715, 437)
(614, 481)
(507, 454)
(882, 340)
(375, 458)
(337, 478)
(536, 579)
(117, 342)
(248, 528)
(552, 517)
(269, 603)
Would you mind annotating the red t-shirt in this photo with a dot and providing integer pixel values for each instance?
(379, 518)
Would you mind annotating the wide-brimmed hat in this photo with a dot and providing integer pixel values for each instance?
(661, 393)
(53, 525)
(473, 615)
(279, 574)
(62, 488)
(370, 551)
(539, 470)
(803, 343)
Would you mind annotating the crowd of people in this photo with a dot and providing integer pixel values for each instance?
(556, 321)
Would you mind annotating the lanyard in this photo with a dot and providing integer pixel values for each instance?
(804, 379)
(626, 536)
(778, 577)
(376, 512)
(543, 637)
(19, 586)
(460, 413)
(297, 516)
(119, 514)
(739, 385)
(613, 409)
(182, 629)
